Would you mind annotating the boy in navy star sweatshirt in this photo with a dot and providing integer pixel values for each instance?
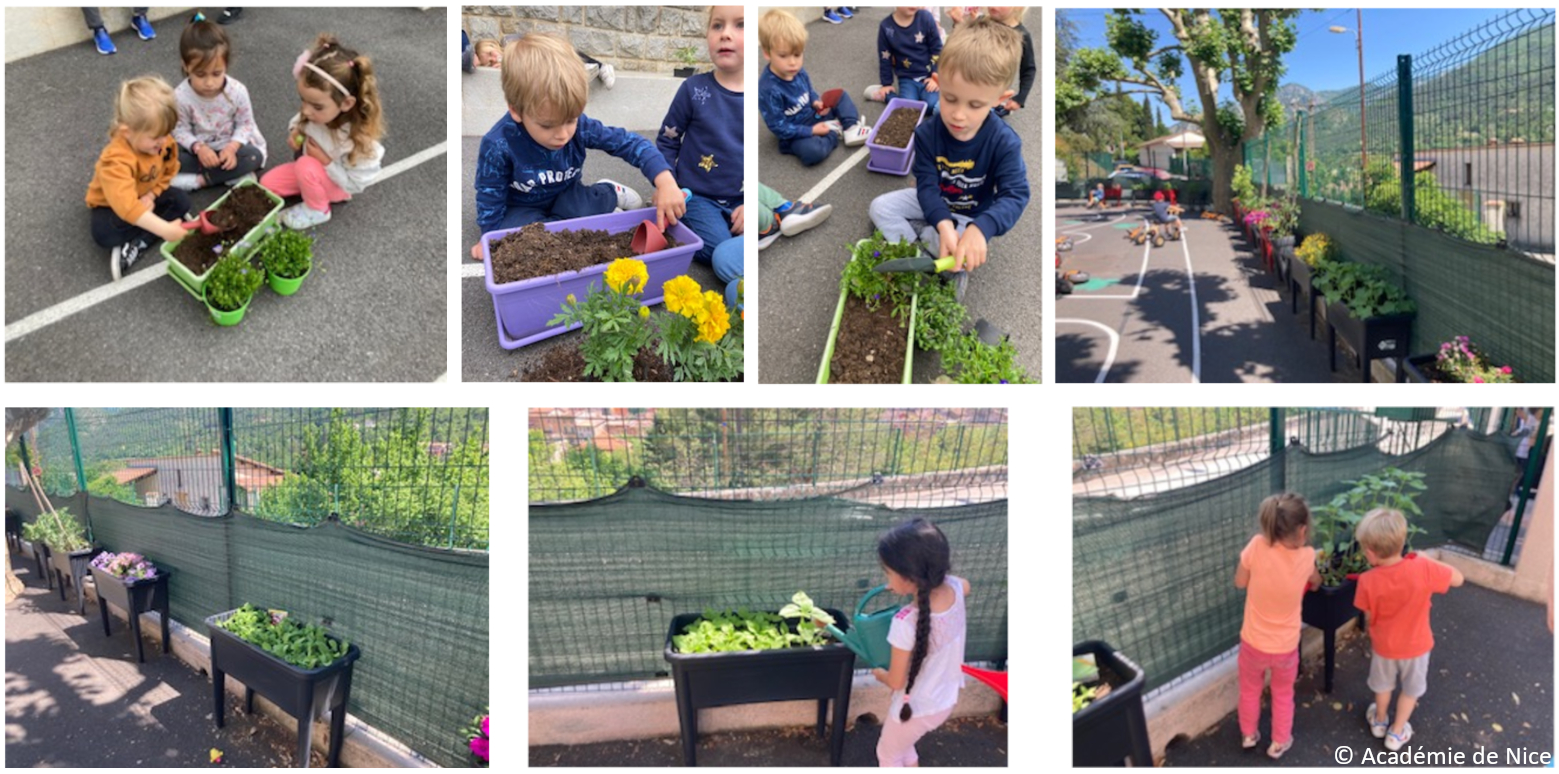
(795, 113)
(908, 44)
(971, 185)
(529, 163)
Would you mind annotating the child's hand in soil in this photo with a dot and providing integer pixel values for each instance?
(229, 156)
(670, 204)
(208, 158)
(315, 152)
(736, 220)
(970, 253)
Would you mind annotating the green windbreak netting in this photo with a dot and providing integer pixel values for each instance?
(608, 575)
(1502, 299)
(1154, 576)
(420, 615)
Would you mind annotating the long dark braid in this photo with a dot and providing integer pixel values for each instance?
(918, 551)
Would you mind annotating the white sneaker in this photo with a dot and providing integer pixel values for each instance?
(627, 198)
(185, 181)
(1377, 728)
(608, 76)
(834, 126)
(856, 135)
(876, 93)
(301, 216)
(1394, 742)
(240, 180)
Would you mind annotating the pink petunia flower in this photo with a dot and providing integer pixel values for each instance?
(479, 748)
(1504, 369)
(1477, 380)
(484, 727)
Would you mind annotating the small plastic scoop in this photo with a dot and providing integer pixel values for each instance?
(648, 238)
(204, 224)
(831, 98)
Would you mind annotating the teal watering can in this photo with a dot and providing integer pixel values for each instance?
(868, 635)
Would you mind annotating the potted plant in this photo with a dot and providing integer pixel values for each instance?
(137, 586)
(229, 288)
(247, 234)
(688, 56)
(288, 258)
(724, 658)
(697, 336)
(524, 308)
(874, 293)
(1108, 724)
(895, 159)
(1370, 312)
(477, 739)
(1339, 558)
(1459, 361)
(35, 535)
(616, 324)
(70, 552)
(1312, 256)
(301, 668)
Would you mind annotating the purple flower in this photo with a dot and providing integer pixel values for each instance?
(876, 253)
(1004, 381)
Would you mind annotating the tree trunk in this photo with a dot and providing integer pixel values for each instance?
(1224, 161)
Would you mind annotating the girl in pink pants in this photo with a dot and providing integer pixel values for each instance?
(1276, 567)
(336, 132)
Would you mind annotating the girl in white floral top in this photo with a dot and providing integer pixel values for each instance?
(219, 141)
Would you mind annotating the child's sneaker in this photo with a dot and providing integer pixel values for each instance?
(856, 135)
(301, 216)
(240, 180)
(831, 17)
(834, 126)
(143, 27)
(767, 237)
(1251, 741)
(125, 256)
(105, 44)
(802, 216)
(230, 15)
(845, 13)
(627, 198)
(1395, 742)
(1377, 729)
(186, 181)
(876, 92)
(1276, 750)
(608, 76)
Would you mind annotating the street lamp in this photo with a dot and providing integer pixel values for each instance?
(1363, 139)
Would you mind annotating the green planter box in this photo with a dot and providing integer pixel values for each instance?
(196, 283)
(833, 335)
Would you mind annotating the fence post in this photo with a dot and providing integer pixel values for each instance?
(1405, 125)
(1304, 174)
(1528, 479)
(229, 477)
(75, 449)
(1277, 446)
(21, 449)
(453, 510)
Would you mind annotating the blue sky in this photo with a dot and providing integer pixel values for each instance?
(1325, 60)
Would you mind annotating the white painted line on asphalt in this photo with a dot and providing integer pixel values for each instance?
(833, 177)
(1196, 314)
(1115, 340)
(45, 317)
(1147, 248)
(471, 269)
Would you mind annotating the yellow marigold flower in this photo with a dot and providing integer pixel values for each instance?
(627, 275)
(681, 293)
(644, 312)
(715, 321)
(571, 299)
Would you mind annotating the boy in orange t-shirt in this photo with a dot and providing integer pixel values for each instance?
(1394, 596)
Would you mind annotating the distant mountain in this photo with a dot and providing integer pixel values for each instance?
(1291, 94)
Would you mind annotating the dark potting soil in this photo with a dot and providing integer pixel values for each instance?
(533, 251)
(898, 128)
(244, 208)
(869, 348)
(565, 364)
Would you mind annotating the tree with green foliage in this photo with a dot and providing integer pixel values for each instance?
(1241, 48)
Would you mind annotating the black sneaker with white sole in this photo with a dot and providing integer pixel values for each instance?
(802, 216)
(125, 256)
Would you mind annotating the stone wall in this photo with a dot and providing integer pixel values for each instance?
(642, 38)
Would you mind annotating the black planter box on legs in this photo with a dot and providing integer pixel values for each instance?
(1371, 339)
(305, 694)
(1113, 729)
(821, 672)
(1328, 609)
(73, 566)
(135, 596)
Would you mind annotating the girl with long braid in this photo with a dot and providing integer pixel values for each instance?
(927, 638)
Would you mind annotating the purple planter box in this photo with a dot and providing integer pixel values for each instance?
(893, 161)
(524, 308)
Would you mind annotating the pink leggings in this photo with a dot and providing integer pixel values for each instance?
(1253, 667)
(306, 176)
(896, 747)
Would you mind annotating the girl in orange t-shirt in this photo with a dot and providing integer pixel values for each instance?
(1275, 569)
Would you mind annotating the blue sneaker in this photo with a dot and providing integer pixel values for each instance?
(105, 45)
(831, 17)
(845, 12)
(143, 27)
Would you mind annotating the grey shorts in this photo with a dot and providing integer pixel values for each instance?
(1413, 673)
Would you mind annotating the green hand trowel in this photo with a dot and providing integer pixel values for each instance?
(868, 635)
(920, 263)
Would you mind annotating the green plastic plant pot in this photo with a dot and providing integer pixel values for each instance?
(833, 336)
(285, 286)
(194, 283)
(224, 318)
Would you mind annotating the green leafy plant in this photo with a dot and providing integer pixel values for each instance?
(1460, 360)
(1366, 289)
(939, 318)
(615, 328)
(232, 282)
(1338, 554)
(302, 645)
(1243, 188)
(719, 632)
(288, 254)
(972, 361)
(1082, 697)
(60, 531)
(687, 55)
(1283, 216)
(811, 619)
(874, 288)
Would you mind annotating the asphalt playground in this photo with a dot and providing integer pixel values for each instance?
(375, 306)
(799, 276)
(1202, 309)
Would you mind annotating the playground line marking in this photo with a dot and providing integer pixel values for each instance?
(833, 177)
(1115, 340)
(469, 270)
(1196, 314)
(45, 317)
(1142, 273)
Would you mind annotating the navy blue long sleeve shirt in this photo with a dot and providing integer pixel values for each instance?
(512, 170)
(983, 179)
(787, 105)
(701, 138)
(907, 52)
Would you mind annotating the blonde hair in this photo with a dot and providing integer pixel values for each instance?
(355, 72)
(982, 51)
(484, 44)
(1017, 12)
(1383, 531)
(780, 31)
(1282, 515)
(145, 105)
(541, 69)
